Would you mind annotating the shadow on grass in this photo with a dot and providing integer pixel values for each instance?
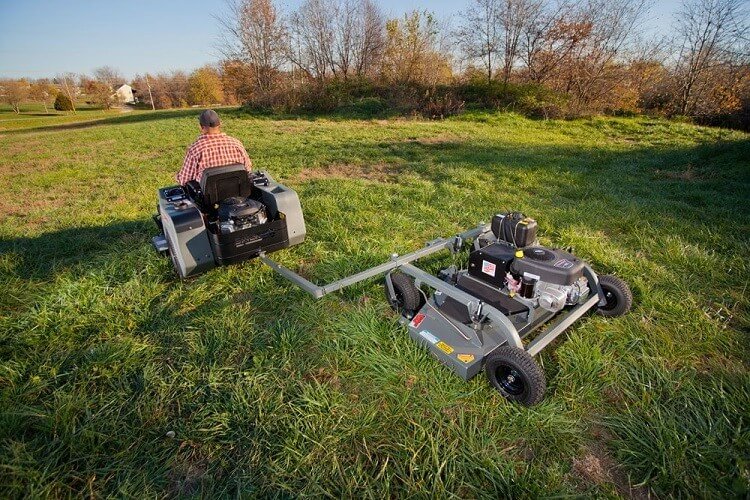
(124, 118)
(692, 188)
(46, 255)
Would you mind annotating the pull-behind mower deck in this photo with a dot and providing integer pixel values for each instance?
(482, 316)
(468, 323)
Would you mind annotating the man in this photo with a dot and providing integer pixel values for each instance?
(213, 148)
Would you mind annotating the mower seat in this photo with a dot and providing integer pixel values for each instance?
(220, 183)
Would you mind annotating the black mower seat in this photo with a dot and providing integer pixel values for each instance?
(220, 183)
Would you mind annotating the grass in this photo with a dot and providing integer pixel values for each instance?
(116, 379)
(33, 116)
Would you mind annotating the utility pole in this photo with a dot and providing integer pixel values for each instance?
(151, 97)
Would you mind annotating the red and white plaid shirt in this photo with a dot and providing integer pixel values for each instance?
(212, 150)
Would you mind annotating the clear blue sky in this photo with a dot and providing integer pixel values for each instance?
(40, 38)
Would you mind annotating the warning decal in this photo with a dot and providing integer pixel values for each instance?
(417, 320)
(465, 358)
(489, 268)
(430, 337)
(444, 347)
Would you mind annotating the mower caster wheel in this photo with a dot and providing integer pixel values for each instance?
(618, 295)
(408, 298)
(515, 375)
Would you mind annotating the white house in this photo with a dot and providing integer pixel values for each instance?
(124, 94)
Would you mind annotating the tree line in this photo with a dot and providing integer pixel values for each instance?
(550, 58)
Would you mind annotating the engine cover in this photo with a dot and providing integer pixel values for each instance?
(548, 265)
(241, 213)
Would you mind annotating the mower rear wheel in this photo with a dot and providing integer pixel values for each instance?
(617, 294)
(408, 299)
(514, 374)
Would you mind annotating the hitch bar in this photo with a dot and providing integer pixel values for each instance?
(453, 244)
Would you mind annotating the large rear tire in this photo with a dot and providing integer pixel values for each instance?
(618, 296)
(408, 298)
(514, 374)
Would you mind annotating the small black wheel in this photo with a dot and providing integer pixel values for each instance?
(515, 375)
(618, 295)
(408, 299)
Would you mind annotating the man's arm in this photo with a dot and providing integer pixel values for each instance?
(189, 168)
(248, 161)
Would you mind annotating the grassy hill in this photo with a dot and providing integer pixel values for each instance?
(117, 379)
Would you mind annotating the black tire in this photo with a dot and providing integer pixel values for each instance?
(618, 295)
(408, 299)
(515, 375)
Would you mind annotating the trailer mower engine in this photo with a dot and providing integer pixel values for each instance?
(238, 213)
(554, 297)
(553, 277)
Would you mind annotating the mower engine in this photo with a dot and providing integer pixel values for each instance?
(551, 277)
(236, 214)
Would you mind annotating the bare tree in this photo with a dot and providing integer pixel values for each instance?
(42, 91)
(109, 76)
(312, 41)
(548, 37)
(479, 35)
(67, 83)
(369, 40)
(336, 38)
(514, 17)
(253, 33)
(708, 33)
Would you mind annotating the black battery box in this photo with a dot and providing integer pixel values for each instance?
(491, 263)
(514, 228)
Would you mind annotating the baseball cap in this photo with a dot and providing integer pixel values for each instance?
(209, 118)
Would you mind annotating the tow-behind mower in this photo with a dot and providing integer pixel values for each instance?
(514, 298)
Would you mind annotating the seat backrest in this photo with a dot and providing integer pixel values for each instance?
(220, 183)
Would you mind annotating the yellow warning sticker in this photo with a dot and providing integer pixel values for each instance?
(466, 358)
(444, 347)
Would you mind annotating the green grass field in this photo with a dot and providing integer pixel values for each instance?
(116, 379)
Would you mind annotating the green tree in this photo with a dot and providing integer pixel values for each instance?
(63, 102)
(205, 86)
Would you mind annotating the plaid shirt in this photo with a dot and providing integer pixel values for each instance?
(212, 150)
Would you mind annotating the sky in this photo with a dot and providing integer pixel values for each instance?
(41, 38)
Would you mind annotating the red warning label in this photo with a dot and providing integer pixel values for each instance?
(417, 320)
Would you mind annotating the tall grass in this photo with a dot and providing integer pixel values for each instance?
(116, 379)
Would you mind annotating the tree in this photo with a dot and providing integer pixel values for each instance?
(708, 32)
(109, 76)
(41, 91)
(101, 89)
(14, 92)
(205, 86)
(479, 34)
(66, 81)
(514, 17)
(253, 33)
(337, 38)
(411, 53)
(63, 102)
(99, 93)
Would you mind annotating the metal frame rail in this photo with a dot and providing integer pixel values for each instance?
(454, 244)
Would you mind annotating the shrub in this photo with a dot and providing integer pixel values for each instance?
(63, 102)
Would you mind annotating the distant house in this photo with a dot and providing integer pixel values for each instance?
(125, 94)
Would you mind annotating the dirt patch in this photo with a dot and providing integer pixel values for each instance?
(591, 469)
(379, 172)
(323, 376)
(596, 466)
(688, 175)
(188, 470)
(445, 140)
